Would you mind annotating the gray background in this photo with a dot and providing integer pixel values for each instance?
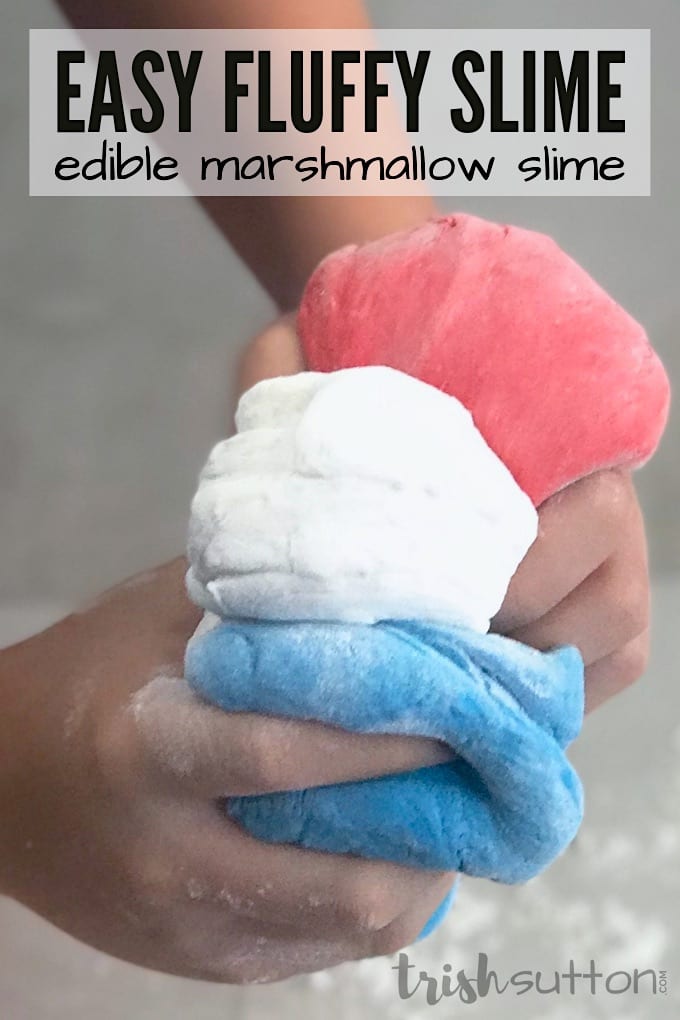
(119, 324)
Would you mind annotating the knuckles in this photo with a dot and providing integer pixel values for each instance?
(397, 936)
(633, 608)
(632, 661)
(611, 497)
(117, 751)
(261, 762)
(368, 901)
(377, 901)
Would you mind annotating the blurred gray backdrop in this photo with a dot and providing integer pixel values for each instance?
(119, 323)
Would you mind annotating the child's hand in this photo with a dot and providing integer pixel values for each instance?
(109, 821)
(584, 582)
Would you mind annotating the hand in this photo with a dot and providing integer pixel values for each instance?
(584, 582)
(109, 825)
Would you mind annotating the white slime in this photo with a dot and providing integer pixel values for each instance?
(359, 495)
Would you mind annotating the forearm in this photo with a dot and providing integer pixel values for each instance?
(281, 239)
(215, 14)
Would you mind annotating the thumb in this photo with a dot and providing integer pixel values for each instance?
(273, 352)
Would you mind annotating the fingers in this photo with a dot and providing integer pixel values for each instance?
(203, 750)
(607, 614)
(603, 614)
(579, 529)
(404, 930)
(325, 896)
(231, 908)
(613, 673)
(288, 949)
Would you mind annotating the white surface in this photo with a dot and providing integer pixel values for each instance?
(359, 495)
